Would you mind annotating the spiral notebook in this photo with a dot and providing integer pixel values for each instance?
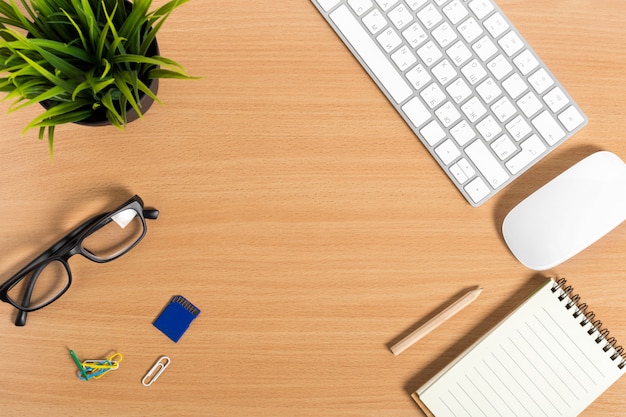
(549, 357)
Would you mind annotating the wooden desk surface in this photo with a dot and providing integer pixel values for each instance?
(299, 213)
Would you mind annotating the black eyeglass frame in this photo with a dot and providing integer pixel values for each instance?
(65, 248)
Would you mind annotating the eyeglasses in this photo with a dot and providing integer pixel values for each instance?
(102, 238)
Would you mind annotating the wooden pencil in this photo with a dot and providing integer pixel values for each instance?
(436, 321)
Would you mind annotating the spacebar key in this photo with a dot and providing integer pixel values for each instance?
(367, 49)
(486, 163)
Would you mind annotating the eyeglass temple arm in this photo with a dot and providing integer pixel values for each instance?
(20, 319)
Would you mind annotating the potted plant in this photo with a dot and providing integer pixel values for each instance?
(85, 61)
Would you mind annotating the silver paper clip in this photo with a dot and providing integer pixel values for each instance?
(155, 372)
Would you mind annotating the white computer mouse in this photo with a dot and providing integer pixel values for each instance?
(569, 213)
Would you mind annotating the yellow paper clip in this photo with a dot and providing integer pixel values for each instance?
(97, 368)
(155, 372)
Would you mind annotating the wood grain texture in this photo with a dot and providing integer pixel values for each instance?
(299, 213)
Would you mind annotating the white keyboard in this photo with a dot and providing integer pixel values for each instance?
(463, 78)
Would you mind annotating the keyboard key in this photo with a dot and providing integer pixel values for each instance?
(486, 163)
(371, 54)
(416, 4)
(458, 173)
(328, 4)
(481, 8)
(448, 114)
(429, 53)
(485, 48)
(459, 90)
(447, 152)
(416, 112)
(496, 25)
(477, 190)
(400, 17)
(374, 21)
(511, 43)
(459, 53)
(462, 170)
(360, 6)
(549, 129)
(514, 85)
(432, 95)
(474, 72)
(444, 72)
(571, 118)
(541, 81)
(429, 16)
(518, 128)
(389, 40)
(455, 11)
(488, 90)
(386, 4)
(403, 58)
(415, 35)
(467, 168)
(473, 109)
(529, 104)
(503, 147)
(418, 76)
(499, 67)
(556, 99)
(526, 62)
(488, 128)
(432, 133)
(444, 34)
(503, 109)
(462, 133)
(470, 30)
(532, 148)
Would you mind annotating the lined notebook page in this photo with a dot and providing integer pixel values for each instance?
(539, 361)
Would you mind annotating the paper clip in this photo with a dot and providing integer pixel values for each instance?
(96, 368)
(155, 372)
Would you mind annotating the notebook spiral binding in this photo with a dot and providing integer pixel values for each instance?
(581, 309)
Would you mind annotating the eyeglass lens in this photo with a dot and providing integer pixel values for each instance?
(116, 236)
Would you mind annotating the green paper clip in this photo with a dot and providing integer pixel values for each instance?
(80, 365)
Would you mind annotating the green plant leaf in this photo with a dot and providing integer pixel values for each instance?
(137, 18)
(113, 115)
(146, 90)
(47, 74)
(64, 118)
(58, 63)
(69, 112)
(163, 73)
(64, 49)
(79, 32)
(50, 140)
(121, 82)
(155, 21)
(46, 95)
(153, 60)
(102, 41)
(107, 68)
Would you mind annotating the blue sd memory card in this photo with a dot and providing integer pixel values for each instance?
(175, 319)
